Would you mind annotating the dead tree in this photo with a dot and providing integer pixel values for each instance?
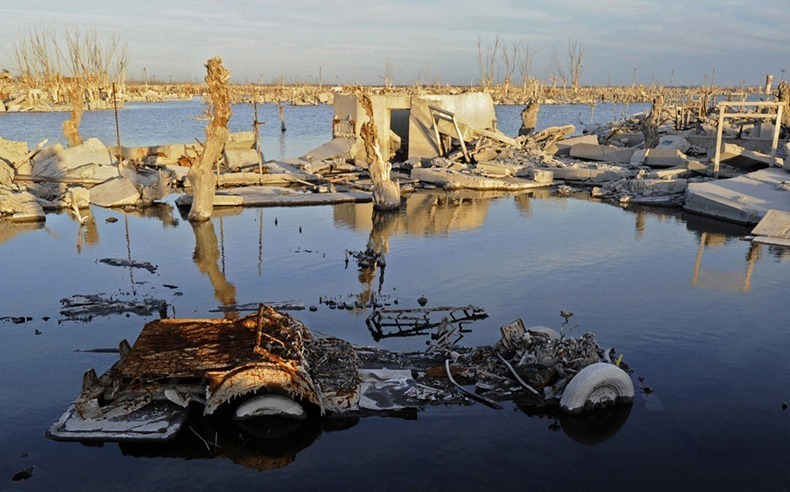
(529, 115)
(71, 127)
(575, 67)
(200, 175)
(783, 95)
(650, 126)
(386, 193)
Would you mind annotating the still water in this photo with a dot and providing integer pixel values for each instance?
(699, 314)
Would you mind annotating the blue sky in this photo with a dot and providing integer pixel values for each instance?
(351, 42)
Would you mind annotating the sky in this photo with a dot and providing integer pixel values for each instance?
(624, 41)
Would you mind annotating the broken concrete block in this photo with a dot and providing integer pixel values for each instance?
(6, 174)
(220, 200)
(605, 153)
(563, 147)
(115, 193)
(654, 187)
(745, 199)
(92, 160)
(21, 206)
(659, 157)
(627, 139)
(673, 142)
(486, 154)
(638, 159)
(763, 129)
(697, 167)
(737, 156)
(12, 152)
(589, 174)
(240, 140)
(239, 158)
(541, 175)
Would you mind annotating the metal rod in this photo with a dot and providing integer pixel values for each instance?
(518, 378)
(476, 397)
(117, 128)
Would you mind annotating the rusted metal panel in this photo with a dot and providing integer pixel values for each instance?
(233, 357)
(191, 348)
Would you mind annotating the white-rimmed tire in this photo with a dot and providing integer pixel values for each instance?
(597, 385)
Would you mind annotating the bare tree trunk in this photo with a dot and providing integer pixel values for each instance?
(650, 127)
(783, 95)
(71, 127)
(529, 117)
(386, 193)
(200, 175)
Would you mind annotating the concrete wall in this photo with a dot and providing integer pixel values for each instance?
(347, 109)
(475, 109)
(391, 112)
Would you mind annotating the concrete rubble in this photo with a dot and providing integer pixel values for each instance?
(435, 141)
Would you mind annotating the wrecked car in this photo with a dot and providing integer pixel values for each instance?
(270, 365)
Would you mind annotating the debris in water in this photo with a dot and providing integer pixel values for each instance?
(23, 475)
(422, 300)
(129, 263)
(85, 307)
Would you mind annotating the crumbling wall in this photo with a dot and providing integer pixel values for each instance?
(475, 109)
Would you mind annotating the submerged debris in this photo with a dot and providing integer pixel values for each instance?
(84, 307)
(269, 365)
(121, 262)
(385, 323)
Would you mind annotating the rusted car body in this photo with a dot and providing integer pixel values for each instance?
(216, 362)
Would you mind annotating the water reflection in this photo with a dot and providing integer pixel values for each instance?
(257, 445)
(270, 444)
(428, 213)
(161, 211)
(9, 230)
(728, 281)
(87, 234)
(206, 257)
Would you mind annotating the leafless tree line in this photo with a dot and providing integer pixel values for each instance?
(51, 59)
(498, 62)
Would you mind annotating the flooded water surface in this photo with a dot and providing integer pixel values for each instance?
(700, 315)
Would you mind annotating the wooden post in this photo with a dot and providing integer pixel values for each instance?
(117, 128)
(257, 134)
(719, 131)
(775, 141)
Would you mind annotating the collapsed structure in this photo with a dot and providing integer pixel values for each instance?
(446, 141)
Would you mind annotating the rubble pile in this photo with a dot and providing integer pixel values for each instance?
(450, 142)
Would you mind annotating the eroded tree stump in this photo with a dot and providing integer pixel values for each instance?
(200, 175)
(650, 126)
(386, 193)
(71, 127)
